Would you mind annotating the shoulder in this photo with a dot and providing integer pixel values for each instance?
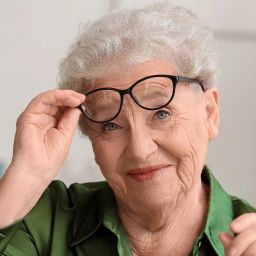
(78, 193)
(63, 209)
(60, 201)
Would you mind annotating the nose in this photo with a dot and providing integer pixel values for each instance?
(141, 144)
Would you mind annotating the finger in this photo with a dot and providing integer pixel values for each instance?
(43, 121)
(226, 239)
(242, 241)
(251, 250)
(243, 222)
(48, 102)
(68, 123)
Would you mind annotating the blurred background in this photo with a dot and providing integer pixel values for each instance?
(35, 35)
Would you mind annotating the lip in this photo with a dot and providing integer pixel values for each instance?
(146, 173)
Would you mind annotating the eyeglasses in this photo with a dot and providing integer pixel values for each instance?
(151, 93)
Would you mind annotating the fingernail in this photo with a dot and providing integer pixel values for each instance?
(81, 96)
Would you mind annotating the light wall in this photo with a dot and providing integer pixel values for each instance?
(36, 34)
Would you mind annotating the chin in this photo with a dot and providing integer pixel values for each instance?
(154, 193)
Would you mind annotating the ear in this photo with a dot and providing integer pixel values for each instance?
(212, 112)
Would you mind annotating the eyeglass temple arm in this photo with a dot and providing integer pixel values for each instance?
(189, 80)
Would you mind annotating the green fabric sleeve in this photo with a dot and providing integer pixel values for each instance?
(11, 239)
(31, 236)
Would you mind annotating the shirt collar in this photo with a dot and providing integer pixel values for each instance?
(112, 222)
(90, 206)
(220, 212)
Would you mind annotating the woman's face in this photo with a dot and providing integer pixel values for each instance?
(150, 158)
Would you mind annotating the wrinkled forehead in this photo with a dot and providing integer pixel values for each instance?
(123, 76)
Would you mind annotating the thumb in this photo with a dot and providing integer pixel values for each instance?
(226, 239)
(68, 123)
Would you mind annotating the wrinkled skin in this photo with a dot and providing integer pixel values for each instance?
(176, 136)
(162, 211)
(172, 199)
(140, 139)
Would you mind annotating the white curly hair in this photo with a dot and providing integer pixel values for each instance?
(129, 36)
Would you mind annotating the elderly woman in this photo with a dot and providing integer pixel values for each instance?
(142, 82)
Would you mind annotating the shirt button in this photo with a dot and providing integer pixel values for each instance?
(199, 244)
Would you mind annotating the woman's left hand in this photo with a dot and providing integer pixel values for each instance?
(244, 241)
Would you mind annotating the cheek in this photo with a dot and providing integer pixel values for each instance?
(187, 141)
(102, 154)
(106, 156)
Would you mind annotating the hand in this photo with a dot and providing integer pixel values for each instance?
(42, 141)
(244, 241)
(44, 133)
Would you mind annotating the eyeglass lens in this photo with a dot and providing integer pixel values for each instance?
(151, 93)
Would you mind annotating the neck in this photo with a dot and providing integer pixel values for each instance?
(167, 230)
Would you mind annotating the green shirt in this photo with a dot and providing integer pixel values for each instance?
(82, 220)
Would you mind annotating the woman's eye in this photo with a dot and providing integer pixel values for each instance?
(162, 114)
(109, 126)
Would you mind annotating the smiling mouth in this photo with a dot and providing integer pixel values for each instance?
(147, 173)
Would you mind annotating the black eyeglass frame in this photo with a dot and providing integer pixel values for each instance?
(175, 81)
